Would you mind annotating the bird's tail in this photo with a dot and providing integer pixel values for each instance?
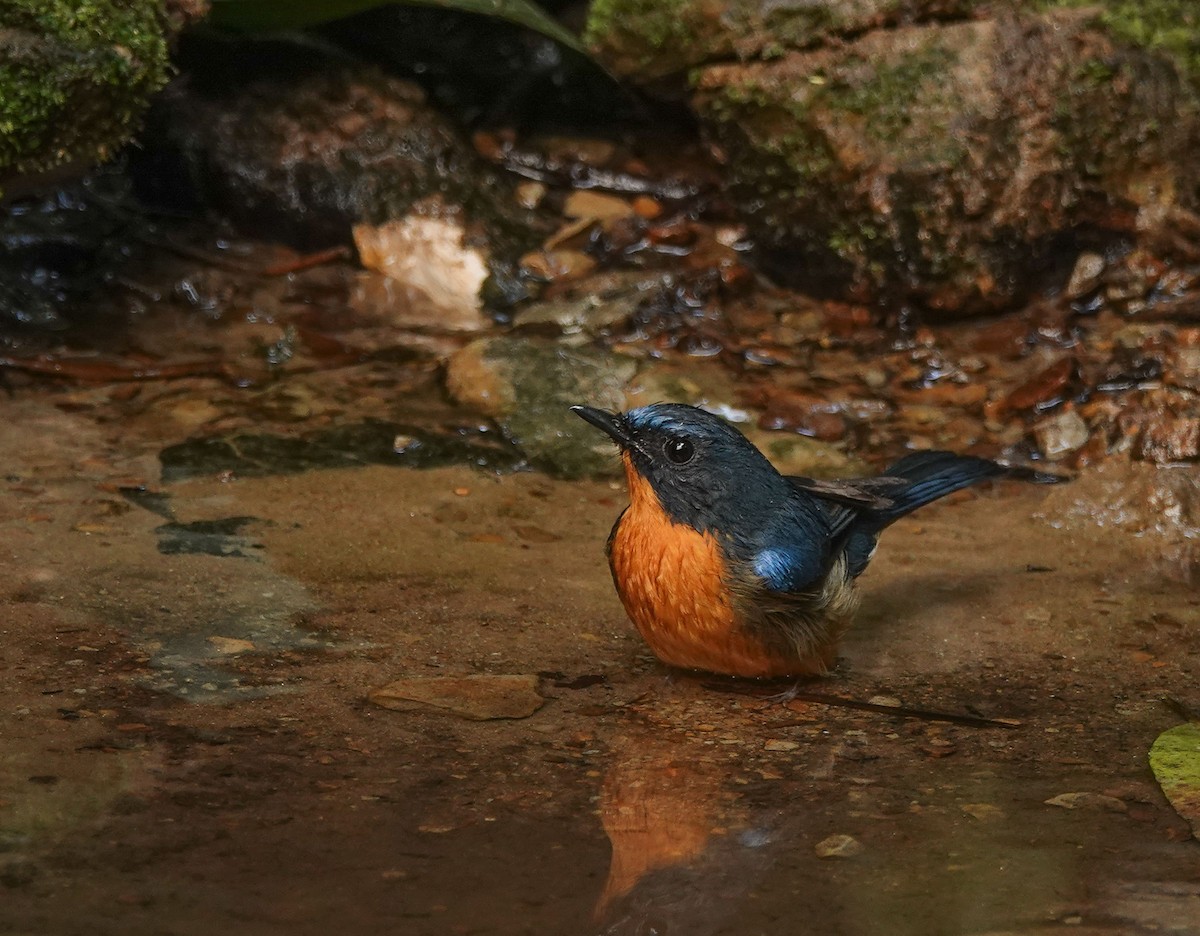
(930, 475)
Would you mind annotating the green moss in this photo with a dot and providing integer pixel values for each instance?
(899, 94)
(655, 37)
(1168, 26)
(75, 78)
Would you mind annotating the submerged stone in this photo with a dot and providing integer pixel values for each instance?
(479, 698)
(368, 443)
(528, 387)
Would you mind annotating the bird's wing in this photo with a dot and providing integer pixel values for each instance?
(862, 493)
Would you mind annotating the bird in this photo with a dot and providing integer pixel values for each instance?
(728, 566)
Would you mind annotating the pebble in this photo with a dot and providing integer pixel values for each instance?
(230, 645)
(777, 745)
(1086, 275)
(646, 207)
(558, 265)
(1062, 434)
(530, 194)
(588, 204)
(479, 697)
(1044, 389)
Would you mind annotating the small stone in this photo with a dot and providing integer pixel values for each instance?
(432, 276)
(1167, 438)
(646, 207)
(1091, 801)
(838, 846)
(1086, 275)
(558, 265)
(777, 745)
(191, 414)
(1044, 389)
(1062, 434)
(530, 194)
(984, 812)
(528, 386)
(230, 646)
(1184, 369)
(588, 204)
(480, 697)
(88, 527)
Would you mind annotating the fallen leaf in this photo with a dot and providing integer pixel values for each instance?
(1175, 760)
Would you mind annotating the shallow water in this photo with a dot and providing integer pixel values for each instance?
(188, 745)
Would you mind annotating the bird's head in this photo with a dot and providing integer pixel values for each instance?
(703, 472)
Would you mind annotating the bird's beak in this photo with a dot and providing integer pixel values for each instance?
(611, 423)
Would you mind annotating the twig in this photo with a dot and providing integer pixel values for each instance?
(307, 261)
(103, 372)
(900, 711)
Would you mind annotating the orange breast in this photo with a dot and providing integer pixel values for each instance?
(672, 580)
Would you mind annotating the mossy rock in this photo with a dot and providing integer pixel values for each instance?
(75, 78)
(942, 164)
(644, 40)
(528, 386)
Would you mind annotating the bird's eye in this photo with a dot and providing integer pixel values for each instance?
(679, 451)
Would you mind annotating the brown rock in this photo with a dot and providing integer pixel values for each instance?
(479, 698)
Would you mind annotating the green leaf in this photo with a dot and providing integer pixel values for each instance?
(1175, 760)
(264, 15)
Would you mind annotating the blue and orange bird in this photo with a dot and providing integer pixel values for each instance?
(726, 565)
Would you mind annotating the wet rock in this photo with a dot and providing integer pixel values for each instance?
(58, 251)
(940, 163)
(231, 646)
(433, 275)
(838, 846)
(307, 148)
(1044, 390)
(528, 385)
(1091, 801)
(1085, 276)
(479, 698)
(645, 41)
(1167, 437)
(588, 204)
(1184, 369)
(557, 266)
(597, 304)
(346, 446)
(1061, 435)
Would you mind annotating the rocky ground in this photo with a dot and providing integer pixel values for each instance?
(251, 532)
